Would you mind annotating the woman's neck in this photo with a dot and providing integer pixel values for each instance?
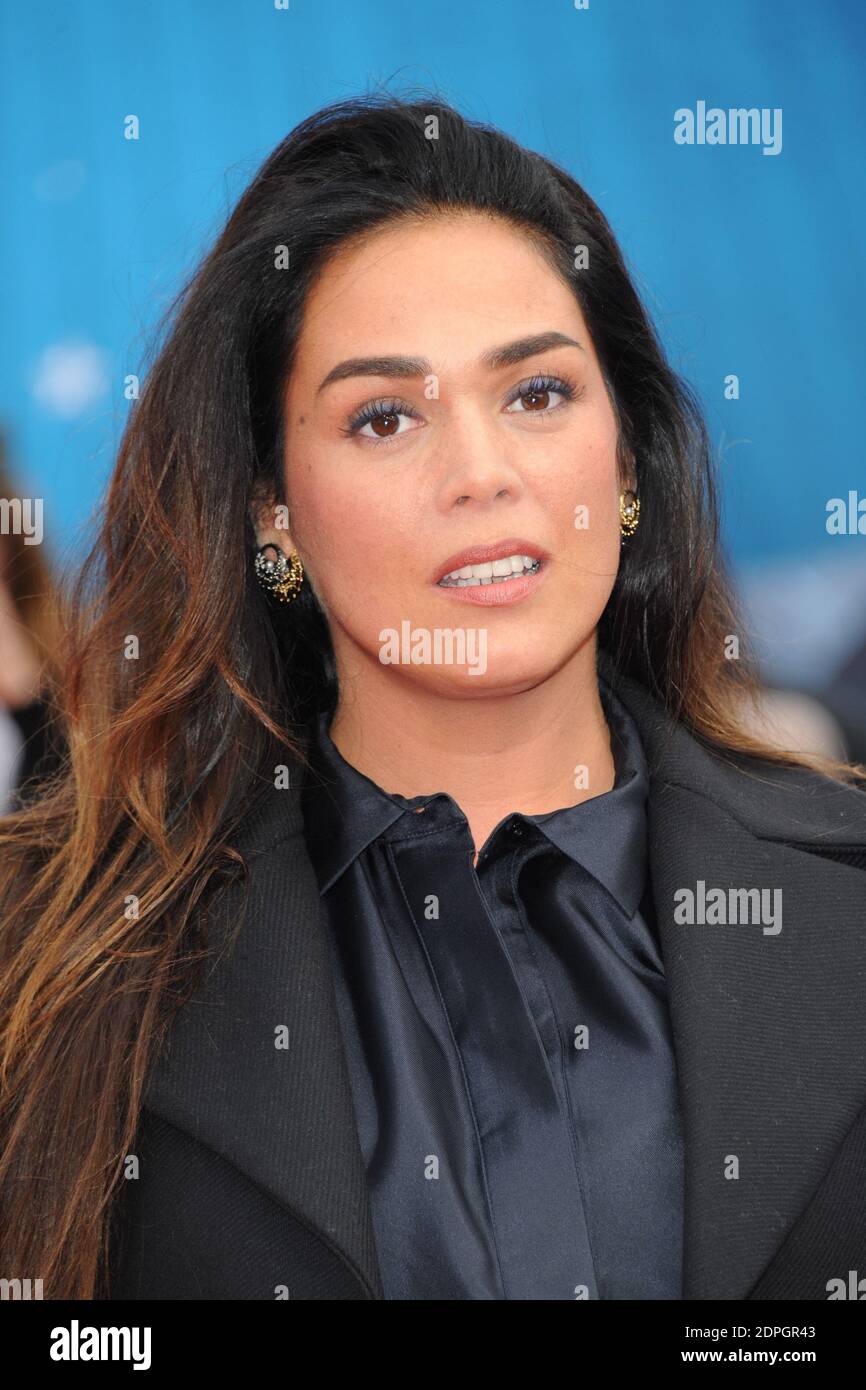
(493, 755)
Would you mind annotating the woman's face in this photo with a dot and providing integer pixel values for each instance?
(393, 470)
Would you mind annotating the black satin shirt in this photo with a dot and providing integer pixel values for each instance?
(507, 1034)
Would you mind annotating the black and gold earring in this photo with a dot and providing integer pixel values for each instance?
(629, 512)
(281, 577)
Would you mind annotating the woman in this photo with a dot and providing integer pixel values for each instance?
(351, 957)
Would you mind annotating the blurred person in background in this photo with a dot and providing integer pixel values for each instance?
(845, 698)
(28, 646)
(791, 718)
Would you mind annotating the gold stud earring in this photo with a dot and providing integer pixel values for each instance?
(281, 577)
(629, 512)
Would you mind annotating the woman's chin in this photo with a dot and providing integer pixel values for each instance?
(496, 680)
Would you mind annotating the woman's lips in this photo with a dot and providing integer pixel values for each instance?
(506, 592)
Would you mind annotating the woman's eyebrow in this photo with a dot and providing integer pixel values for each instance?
(505, 356)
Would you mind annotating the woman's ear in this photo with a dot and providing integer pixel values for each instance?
(270, 521)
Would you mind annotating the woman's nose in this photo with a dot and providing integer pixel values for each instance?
(477, 469)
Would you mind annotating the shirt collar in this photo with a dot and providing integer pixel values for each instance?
(606, 835)
(345, 811)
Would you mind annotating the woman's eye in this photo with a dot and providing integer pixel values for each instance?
(534, 398)
(385, 425)
(379, 421)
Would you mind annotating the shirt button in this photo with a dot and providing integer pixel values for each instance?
(516, 828)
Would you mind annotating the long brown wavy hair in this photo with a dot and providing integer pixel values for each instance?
(181, 682)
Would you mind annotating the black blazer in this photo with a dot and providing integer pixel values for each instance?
(252, 1184)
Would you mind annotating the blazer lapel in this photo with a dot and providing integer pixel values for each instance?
(769, 1029)
(254, 1066)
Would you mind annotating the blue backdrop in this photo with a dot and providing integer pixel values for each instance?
(751, 264)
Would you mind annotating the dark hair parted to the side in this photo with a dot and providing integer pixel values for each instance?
(166, 750)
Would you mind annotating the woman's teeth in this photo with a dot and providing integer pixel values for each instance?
(492, 571)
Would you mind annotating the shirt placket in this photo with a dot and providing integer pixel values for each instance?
(525, 1146)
